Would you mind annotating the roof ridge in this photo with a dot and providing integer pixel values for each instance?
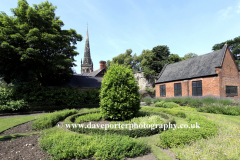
(196, 57)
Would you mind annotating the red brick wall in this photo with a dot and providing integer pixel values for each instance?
(228, 75)
(210, 86)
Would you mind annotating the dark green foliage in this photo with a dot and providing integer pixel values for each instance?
(234, 45)
(181, 136)
(220, 109)
(34, 48)
(51, 119)
(7, 104)
(65, 145)
(14, 106)
(46, 96)
(147, 100)
(165, 110)
(119, 96)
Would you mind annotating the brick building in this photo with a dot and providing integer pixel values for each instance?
(215, 74)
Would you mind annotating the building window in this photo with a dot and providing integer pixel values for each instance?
(197, 88)
(231, 90)
(163, 90)
(177, 89)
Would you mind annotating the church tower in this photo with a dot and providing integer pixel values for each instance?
(87, 65)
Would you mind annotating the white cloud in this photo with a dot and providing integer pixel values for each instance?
(238, 8)
(225, 13)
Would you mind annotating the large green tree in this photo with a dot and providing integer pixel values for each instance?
(154, 60)
(33, 47)
(234, 46)
(126, 59)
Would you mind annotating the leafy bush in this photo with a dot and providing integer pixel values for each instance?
(89, 117)
(119, 97)
(157, 100)
(165, 110)
(5, 96)
(65, 145)
(159, 104)
(46, 96)
(51, 119)
(147, 100)
(166, 104)
(220, 109)
(14, 105)
(181, 136)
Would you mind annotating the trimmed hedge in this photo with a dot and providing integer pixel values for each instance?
(51, 119)
(166, 104)
(64, 145)
(181, 136)
(136, 132)
(165, 110)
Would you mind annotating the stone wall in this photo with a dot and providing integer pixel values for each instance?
(143, 82)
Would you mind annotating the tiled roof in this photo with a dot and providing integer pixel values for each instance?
(200, 66)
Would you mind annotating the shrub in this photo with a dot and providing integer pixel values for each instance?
(119, 97)
(51, 119)
(14, 105)
(157, 100)
(159, 104)
(89, 117)
(65, 145)
(165, 110)
(181, 136)
(147, 100)
(220, 109)
(170, 105)
(46, 96)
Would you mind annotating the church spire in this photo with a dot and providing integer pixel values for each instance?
(87, 65)
(87, 56)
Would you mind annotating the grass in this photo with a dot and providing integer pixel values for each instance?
(6, 123)
(225, 145)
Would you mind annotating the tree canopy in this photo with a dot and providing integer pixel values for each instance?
(149, 61)
(234, 46)
(189, 55)
(33, 47)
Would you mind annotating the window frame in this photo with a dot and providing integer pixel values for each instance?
(197, 88)
(177, 89)
(232, 94)
(162, 89)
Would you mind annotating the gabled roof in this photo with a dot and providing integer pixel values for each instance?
(77, 80)
(94, 73)
(200, 66)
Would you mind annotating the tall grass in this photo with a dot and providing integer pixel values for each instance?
(225, 145)
(198, 102)
(220, 109)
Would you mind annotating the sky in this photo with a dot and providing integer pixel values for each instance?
(117, 25)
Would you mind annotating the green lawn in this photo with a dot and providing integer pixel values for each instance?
(6, 123)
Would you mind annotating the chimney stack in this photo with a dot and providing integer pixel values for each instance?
(102, 64)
